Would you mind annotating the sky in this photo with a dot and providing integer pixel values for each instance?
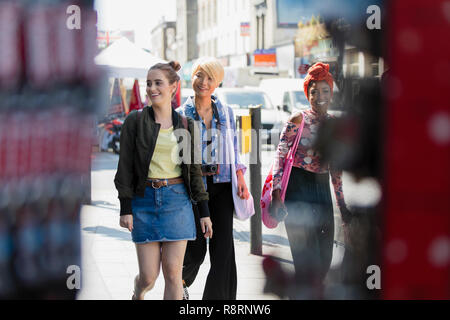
(138, 15)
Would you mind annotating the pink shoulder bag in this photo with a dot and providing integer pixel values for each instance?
(266, 195)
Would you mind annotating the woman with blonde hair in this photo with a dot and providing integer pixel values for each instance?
(155, 190)
(209, 114)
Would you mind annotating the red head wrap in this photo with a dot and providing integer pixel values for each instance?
(318, 72)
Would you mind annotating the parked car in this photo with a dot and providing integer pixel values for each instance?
(241, 98)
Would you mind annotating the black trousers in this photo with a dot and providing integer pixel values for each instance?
(221, 283)
(310, 229)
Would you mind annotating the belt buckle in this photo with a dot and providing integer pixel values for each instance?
(162, 185)
(153, 185)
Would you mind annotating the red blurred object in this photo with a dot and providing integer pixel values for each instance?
(11, 59)
(416, 242)
(135, 100)
(303, 68)
(278, 281)
(176, 101)
(319, 71)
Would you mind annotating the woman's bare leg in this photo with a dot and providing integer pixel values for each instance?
(149, 259)
(172, 266)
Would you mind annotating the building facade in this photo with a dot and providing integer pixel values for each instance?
(187, 28)
(272, 36)
(163, 40)
(263, 36)
(207, 27)
(233, 32)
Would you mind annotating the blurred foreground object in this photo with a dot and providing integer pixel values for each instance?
(395, 129)
(416, 222)
(49, 95)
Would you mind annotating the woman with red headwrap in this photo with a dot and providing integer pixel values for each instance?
(310, 221)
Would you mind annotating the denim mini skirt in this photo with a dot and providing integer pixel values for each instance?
(163, 214)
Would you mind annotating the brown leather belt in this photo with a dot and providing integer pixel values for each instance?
(158, 183)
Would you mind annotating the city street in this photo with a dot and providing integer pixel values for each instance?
(109, 262)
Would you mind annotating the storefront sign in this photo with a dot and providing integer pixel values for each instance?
(265, 58)
(245, 29)
(308, 37)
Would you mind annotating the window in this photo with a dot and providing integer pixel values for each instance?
(286, 98)
(203, 25)
(215, 12)
(300, 100)
(244, 99)
(215, 47)
(353, 63)
(374, 66)
(286, 102)
(208, 14)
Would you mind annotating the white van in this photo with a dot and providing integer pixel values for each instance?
(276, 87)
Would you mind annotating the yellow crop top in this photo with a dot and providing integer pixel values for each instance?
(163, 164)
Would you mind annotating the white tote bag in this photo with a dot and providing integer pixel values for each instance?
(243, 209)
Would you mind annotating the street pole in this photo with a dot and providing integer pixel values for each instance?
(255, 182)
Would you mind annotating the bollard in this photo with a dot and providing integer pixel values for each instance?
(255, 183)
(245, 128)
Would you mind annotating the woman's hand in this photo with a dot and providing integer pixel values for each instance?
(277, 203)
(242, 190)
(206, 225)
(126, 221)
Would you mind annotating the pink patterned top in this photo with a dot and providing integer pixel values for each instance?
(306, 157)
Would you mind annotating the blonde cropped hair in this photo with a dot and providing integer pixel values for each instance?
(211, 66)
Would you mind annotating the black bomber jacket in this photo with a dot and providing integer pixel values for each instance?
(137, 143)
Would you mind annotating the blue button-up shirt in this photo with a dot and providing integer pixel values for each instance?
(216, 152)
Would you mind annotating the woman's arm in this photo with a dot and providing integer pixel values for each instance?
(243, 192)
(124, 176)
(286, 140)
(336, 180)
(199, 194)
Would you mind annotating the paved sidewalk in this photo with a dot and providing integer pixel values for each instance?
(109, 262)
